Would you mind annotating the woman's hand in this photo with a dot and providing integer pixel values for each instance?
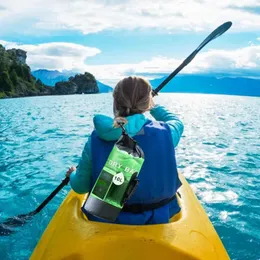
(70, 170)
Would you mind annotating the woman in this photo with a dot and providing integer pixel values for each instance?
(158, 177)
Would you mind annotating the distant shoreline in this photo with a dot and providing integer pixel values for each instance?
(188, 93)
(48, 95)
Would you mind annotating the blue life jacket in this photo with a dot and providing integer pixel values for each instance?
(158, 176)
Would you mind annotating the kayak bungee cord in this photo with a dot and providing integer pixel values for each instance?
(5, 227)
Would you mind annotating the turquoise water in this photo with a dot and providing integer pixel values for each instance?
(219, 154)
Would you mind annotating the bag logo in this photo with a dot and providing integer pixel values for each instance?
(119, 179)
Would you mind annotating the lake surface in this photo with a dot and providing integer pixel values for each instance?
(219, 154)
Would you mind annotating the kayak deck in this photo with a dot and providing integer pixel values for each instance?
(189, 235)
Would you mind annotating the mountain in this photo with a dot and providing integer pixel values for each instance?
(15, 76)
(210, 85)
(104, 88)
(51, 77)
(80, 83)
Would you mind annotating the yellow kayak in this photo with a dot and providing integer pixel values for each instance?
(189, 235)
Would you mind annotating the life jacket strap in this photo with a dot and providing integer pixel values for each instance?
(140, 208)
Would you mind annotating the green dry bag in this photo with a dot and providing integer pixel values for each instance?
(117, 180)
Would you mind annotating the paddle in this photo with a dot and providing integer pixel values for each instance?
(21, 219)
(216, 33)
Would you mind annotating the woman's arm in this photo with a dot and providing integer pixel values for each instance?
(80, 180)
(160, 113)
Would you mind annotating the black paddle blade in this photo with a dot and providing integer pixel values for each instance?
(18, 220)
(216, 33)
(5, 231)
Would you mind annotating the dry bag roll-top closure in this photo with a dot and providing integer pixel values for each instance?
(117, 180)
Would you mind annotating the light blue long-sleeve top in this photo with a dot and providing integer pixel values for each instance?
(80, 180)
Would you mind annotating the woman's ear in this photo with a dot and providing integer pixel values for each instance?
(152, 104)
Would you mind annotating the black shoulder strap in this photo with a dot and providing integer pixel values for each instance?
(139, 208)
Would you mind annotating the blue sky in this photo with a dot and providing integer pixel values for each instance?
(113, 38)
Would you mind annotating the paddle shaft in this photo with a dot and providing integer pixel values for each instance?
(50, 197)
(174, 73)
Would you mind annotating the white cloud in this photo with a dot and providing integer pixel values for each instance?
(232, 61)
(55, 55)
(42, 16)
(68, 56)
(240, 62)
(258, 38)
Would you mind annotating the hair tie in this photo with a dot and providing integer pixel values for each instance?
(127, 111)
(119, 120)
